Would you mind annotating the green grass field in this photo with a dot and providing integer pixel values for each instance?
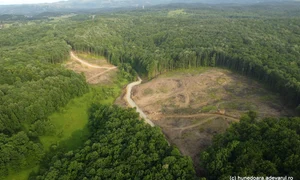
(92, 58)
(71, 121)
(177, 12)
(72, 118)
(20, 175)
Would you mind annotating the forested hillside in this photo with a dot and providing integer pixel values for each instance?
(31, 88)
(120, 147)
(259, 41)
(255, 147)
(251, 41)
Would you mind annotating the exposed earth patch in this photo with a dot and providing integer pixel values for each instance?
(192, 107)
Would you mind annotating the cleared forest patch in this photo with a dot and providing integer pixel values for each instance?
(192, 107)
(92, 58)
(100, 73)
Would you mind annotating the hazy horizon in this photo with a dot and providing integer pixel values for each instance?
(14, 2)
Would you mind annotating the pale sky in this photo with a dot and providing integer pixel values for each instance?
(6, 2)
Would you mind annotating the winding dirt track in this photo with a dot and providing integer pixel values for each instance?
(97, 75)
(133, 104)
(202, 115)
(73, 56)
(128, 89)
(83, 62)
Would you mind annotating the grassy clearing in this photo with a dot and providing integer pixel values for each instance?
(176, 13)
(20, 175)
(72, 118)
(71, 121)
(209, 108)
(92, 58)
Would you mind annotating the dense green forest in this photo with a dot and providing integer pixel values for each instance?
(260, 42)
(120, 147)
(31, 88)
(255, 148)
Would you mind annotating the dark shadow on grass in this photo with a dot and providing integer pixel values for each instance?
(75, 142)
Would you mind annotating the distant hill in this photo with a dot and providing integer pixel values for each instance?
(226, 1)
(74, 5)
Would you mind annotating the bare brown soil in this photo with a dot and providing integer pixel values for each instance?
(94, 73)
(192, 108)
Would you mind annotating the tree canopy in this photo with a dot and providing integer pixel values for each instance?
(258, 41)
(268, 147)
(32, 87)
(251, 40)
(120, 147)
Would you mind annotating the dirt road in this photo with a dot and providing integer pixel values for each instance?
(73, 56)
(133, 104)
(94, 73)
(128, 89)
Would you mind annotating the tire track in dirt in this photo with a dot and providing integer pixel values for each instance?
(194, 125)
(97, 75)
(73, 56)
(209, 115)
(83, 62)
